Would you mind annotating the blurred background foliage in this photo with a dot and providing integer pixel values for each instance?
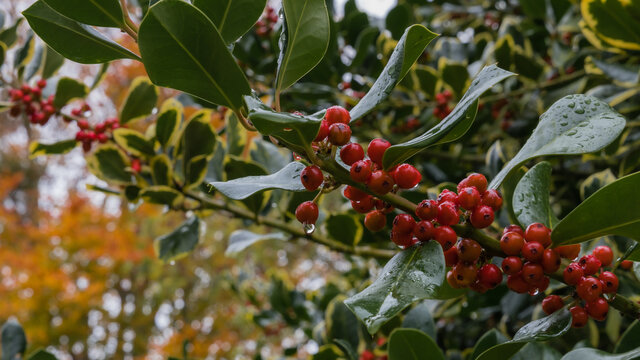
(78, 269)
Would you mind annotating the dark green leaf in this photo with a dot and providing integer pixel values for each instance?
(328, 352)
(629, 339)
(133, 142)
(490, 339)
(397, 20)
(199, 63)
(235, 168)
(307, 39)
(162, 195)
(612, 210)
(575, 124)
(269, 155)
(14, 341)
(52, 62)
(595, 354)
(531, 197)
(344, 228)
(363, 45)
(543, 329)
(140, 101)
(75, 41)
(180, 241)
(412, 344)
(242, 239)
(9, 35)
(455, 75)
(3, 52)
(68, 89)
(106, 13)
(168, 122)
(25, 52)
(347, 349)
(61, 147)
(427, 78)
(236, 136)
(288, 178)
(420, 318)
(36, 63)
(595, 182)
(198, 140)
(626, 74)
(411, 275)
(42, 354)
(196, 171)
(503, 51)
(463, 113)
(109, 164)
(341, 323)
(538, 351)
(233, 18)
(413, 42)
(605, 18)
(161, 170)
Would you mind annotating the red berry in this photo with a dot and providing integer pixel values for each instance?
(551, 304)
(451, 256)
(424, 230)
(511, 265)
(513, 228)
(403, 224)
(445, 236)
(493, 199)
(590, 264)
(609, 282)
(363, 206)
(490, 275)
(598, 309)
(406, 176)
(339, 134)
(337, 114)
(539, 233)
(307, 212)
(550, 261)
(469, 250)
(572, 274)
(589, 288)
(570, 252)
(481, 217)
(447, 195)
(427, 210)
(468, 198)
(626, 264)
(16, 95)
(42, 83)
(540, 286)
(511, 243)
(380, 182)
(533, 252)
(136, 166)
(48, 109)
(532, 273)
(604, 254)
(360, 171)
(384, 206)
(451, 279)
(83, 124)
(465, 274)
(354, 194)
(26, 99)
(579, 317)
(448, 213)
(402, 240)
(351, 153)
(477, 180)
(311, 177)
(103, 138)
(323, 131)
(376, 149)
(36, 92)
(517, 284)
(375, 220)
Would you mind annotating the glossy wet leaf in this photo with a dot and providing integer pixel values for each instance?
(544, 329)
(180, 241)
(411, 275)
(140, 100)
(612, 210)
(531, 197)
(242, 239)
(109, 163)
(340, 323)
(107, 13)
(288, 178)
(67, 90)
(14, 341)
(133, 142)
(199, 63)
(420, 318)
(575, 124)
(37, 148)
(305, 42)
(236, 168)
(629, 339)
(78, 42)
(233, 18)
(490, 339)
(412, 344)
(455, 124)
(410, 46)
(595, 354)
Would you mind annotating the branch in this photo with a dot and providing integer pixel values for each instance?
(129, 26)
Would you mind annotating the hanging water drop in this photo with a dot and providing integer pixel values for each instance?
(309, 229)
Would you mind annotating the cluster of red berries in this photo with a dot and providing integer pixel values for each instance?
(264, 26)
(589, 285)
(28, 99)
(89, 134)
(442, 108)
